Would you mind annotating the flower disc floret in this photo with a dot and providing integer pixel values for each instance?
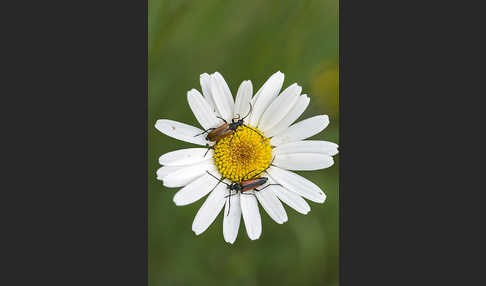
(243, 154)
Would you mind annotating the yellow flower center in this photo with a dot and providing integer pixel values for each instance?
(243, 155)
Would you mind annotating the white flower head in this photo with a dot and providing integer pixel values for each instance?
(255, 157)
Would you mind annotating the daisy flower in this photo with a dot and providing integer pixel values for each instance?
(268, 145)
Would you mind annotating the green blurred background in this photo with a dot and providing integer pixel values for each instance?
(242, 40)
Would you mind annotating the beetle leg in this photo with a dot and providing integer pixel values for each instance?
(209, 148)
(268, 186)
(271, 162)
(234, 133)
(205, 131)
(229, 203)
(251, 194)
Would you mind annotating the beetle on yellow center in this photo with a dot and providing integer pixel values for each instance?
(228, 128)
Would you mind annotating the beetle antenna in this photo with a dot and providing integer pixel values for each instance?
(263, 138)
(222, 119)
(219, 180)
(265, 168)
(259, 173)
(248, 174)
(251, 107)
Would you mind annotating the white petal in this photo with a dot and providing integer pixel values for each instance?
(279, 108)
(209, 210)
(290, 118)
(262, 99)
(303, 161)
(301, 130)
(308, 146)
(225, 88)
(205, 81)
(202, 110)
(232, 218)
(186, 175)
(272, 205)
(195, 190)
(297, 184)
(181, 131)
(222, 96)
(164, 171)
(251, 215)
(291, 199)
(186, 157)
(243, 99)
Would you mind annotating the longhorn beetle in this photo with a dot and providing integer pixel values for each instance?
(227, 128)
(244, 185)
